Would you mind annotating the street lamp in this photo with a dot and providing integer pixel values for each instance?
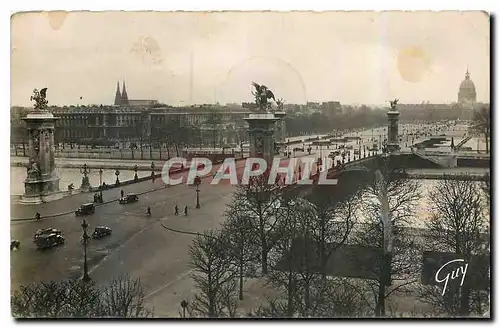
(85, 171)
(136, 168)
(153, 172)
(197, 181)
(117, 173)
(86, 276)
(100, 181)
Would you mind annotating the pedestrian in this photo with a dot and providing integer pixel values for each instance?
(186, 210)
(37, 216)
(176, 210)
(121, 192)
(148, 212)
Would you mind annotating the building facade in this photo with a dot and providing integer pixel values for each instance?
(205, 125)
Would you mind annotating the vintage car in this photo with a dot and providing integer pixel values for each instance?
(85, 209)
(46, 231)
(14, 244)
(49, 241)
(100, 232)
(130, 198)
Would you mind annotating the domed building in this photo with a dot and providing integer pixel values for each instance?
(467, 91)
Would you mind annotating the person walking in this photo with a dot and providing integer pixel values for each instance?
(176, 210)
(37, 216)
(148, 212)
(121, 193)
(186, 210)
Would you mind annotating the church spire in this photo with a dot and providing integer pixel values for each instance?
(118, 96)
(124, 95)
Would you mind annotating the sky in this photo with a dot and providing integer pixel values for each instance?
(195, 58)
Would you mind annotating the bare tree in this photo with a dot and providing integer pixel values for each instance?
(299, 270)
(389, 204)
(124, 298)
(43, 300)
(257, 200)
(238, 230)
(214, 275)
(458, 224)
(482, 124)
(335, 220)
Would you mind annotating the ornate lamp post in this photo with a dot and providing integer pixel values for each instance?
(100, 181)
(197, 181)
(153, 171)
(85, 180)
(117, 173)
(136, 168)
(86, 276)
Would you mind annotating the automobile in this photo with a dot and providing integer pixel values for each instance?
(298, 149)
(85, 209)
(49, 241)
(100, 232)
(130, 198)
(14, 245)
(46, 231)
(356, 151)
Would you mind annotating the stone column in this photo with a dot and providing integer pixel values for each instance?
(392, 131)
(261, 134)
(42, 182)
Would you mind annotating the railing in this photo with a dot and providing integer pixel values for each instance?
(463, 142)
(427, 157)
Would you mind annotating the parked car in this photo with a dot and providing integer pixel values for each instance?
(49, 241)
(14, 244)
(100, 232)
(85, 209)
(130, 198)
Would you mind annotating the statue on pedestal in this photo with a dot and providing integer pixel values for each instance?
(394, 103)
(40, 99)
(279, 103)
(262, 94)
(33, 170)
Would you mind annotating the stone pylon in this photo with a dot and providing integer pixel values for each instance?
(41, 183)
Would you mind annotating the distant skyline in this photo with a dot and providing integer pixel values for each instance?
(201, 58)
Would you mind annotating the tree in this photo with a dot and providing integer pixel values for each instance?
(482, 124)
(214, 275)
(389, 204)
(297, 270)
(458, 224)
(122, 298)
(258, 200)
(238, 230)
(336, 216)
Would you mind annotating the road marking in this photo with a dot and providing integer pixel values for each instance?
(119, 247)
(169, 284)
